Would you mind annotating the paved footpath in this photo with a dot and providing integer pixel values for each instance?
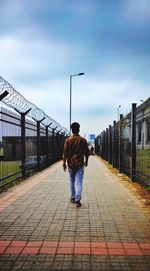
(41, 230)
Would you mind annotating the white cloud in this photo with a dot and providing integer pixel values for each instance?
(27, 57)
(94, 103)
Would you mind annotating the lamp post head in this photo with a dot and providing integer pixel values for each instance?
(78, 74)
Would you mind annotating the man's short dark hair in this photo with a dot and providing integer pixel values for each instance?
(75, 127)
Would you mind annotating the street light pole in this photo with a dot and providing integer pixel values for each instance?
(70, 103)
(118, 112)
(82, 73)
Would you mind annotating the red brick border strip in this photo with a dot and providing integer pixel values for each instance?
(84, 248)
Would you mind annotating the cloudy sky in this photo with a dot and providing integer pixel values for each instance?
(43, 42)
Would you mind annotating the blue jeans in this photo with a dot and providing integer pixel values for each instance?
(76, 181)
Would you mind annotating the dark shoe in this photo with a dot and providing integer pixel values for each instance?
(78, 204)
(72, 200)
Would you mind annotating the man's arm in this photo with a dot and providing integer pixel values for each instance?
(86, 155)
(65, 156)
(64, 164)
(86, 161)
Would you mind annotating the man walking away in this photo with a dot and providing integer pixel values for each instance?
(76, 154)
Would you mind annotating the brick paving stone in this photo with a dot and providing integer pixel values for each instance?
(99, 251)
(14, 250)
(133, 252)
(146, 251)
(82, 244)
(144, 245)
(47, 250)
(18, 243)
(30, 250)
(115, 245)
(4, 243)
(98, 245)
(34, 244)
(41, 230)
(66, 244)
(131, 245)
(65, 250)
(116, 251)
(2, 249)
(81, 250)
(50, 244)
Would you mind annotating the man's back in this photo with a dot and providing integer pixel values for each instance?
(75, 149)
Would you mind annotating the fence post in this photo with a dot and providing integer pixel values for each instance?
(23, 143)
(3, 95)
(53, 145)
(109, 145)
(104, 139)
(57, 146)
(101, 153)
(106, 145)
(133, 142)
(62, 144)
(23, 146)
(95, 144)
(119, 147)
(38, 144)
(100, 145)
(47, 146)
(113, 144)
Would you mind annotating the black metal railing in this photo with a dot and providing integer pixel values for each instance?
(26, 147)
(126, 144)
(30, 140)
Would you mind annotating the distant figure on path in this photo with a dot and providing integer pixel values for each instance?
(76, 154)
(92, 150)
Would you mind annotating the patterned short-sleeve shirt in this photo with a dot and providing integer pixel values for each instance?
(75, 149)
